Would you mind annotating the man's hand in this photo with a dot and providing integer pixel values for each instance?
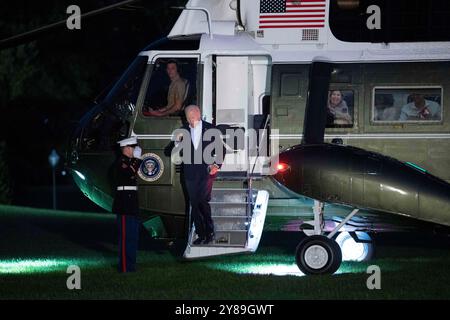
(179, 137)
(137, 152)
(155, 113)
(213, 168)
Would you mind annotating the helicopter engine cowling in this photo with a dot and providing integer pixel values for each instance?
(363, 179)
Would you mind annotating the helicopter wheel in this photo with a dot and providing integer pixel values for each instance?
(318, 255)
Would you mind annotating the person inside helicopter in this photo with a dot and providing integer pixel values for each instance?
(176, 95)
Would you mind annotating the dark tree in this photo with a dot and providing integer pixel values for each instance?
(47, 84)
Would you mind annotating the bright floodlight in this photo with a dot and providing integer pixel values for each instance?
(80, 175)
(352, 250)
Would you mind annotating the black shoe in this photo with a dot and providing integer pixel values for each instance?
(209, 238)
(198, 241)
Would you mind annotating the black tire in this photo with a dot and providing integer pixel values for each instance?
(329, 251)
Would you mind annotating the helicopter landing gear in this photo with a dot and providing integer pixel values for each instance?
(320, 254)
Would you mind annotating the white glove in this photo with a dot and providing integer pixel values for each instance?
(137, 152)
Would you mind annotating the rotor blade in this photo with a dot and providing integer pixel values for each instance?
(31, 35)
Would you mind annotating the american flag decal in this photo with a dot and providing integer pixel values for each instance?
(292, 14)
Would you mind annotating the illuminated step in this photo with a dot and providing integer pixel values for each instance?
(232, 175)
(230, 195)
(230, 224)
(230, 238)
(228, 209)
(235, 232)
(236, 176)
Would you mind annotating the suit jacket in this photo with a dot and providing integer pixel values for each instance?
(194, 171)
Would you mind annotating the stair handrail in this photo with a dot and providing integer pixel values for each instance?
(262, 138)
(250, 174)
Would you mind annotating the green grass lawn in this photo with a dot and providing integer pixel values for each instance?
(37, 246)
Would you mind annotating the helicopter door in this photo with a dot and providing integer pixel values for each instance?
(238, 210)
(231, 112)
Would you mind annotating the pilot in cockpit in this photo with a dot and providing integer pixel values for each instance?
(176, 95)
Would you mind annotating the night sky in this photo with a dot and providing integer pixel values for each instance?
(51, 80)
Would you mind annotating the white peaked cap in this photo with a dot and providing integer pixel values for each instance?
(128, 142)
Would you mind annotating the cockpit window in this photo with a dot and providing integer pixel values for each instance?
(172, 87)
(131, 79)
(111, 120)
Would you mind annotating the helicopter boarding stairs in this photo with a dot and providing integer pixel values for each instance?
(238, 216)
(237, 210)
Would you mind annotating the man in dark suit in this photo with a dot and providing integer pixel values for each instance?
(200, 167)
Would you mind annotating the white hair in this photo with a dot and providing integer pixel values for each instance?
(191, 107)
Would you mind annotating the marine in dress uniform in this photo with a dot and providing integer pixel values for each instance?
(126, 205)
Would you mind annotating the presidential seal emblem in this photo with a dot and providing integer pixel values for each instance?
(152, 167)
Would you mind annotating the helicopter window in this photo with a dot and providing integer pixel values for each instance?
(172, 87)
(111, 120)
(407, 105)
(290, 84)
(340, 109)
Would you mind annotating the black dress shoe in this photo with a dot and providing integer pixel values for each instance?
(209, 238)
(198, 241)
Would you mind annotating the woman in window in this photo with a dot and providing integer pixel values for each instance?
(338, 109)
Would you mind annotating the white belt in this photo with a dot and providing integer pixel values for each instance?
(125, 188)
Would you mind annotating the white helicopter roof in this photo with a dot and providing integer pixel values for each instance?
(309, 40)
(239, 44)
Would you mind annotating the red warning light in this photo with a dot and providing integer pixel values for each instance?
(282, 167)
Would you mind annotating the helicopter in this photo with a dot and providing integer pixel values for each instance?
(279, 66)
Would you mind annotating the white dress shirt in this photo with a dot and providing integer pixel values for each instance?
(410, 110)
(196, 134)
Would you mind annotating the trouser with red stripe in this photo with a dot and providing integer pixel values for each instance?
(128, 242)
